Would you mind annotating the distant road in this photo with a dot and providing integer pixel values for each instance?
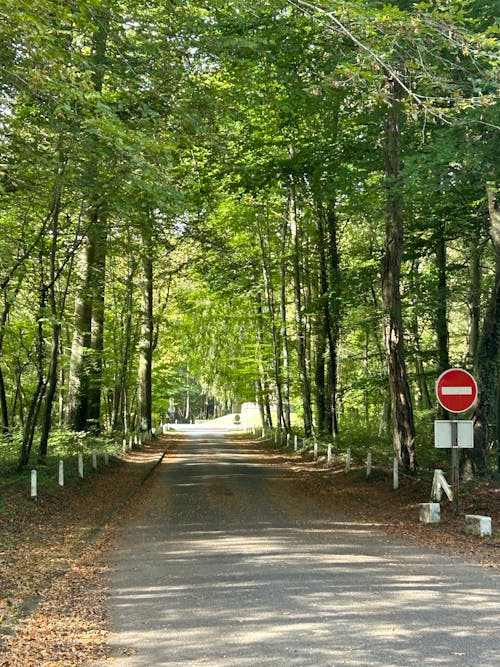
(226, 560)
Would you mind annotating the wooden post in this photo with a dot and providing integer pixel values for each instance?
(395, 473)
(94, 460)
(106, 459)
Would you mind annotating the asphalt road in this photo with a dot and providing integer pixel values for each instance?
(226, 560)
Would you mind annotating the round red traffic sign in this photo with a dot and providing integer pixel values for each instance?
(456, 390)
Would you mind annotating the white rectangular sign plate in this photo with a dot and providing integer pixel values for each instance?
(443, 434)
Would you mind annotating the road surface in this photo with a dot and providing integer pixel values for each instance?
(227, 560)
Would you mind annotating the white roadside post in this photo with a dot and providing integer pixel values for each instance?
(106, 459)
(348, 460)
(329, 453)
(60, 476)
(295, 442)
(131, 442)
(368, 463)
(395, 473)
(315, 450)
(287, 440)
(80, 465)
(94, 460)
(124, 445)
(33, 485)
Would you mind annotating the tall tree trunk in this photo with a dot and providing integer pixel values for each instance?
(263, 381)
(147, 330)
(84, 391)
(474, 299)
(333, 312)
(37, 397)
(97, 286)
(77, 398)
(488, 354)
(283, 329)
(402, 409)
(305, 388)
(4, 408)
(323, 399)
(441, 312)
(270, 302)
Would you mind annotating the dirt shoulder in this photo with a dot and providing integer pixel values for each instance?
(52, 603)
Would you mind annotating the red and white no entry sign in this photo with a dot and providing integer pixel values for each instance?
(456, 390)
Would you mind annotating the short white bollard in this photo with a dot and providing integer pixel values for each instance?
(315, 450)
(395, 473)
(80, 465)
(295, 443)
(94, 460)
(329, 453)
(429, 512)
(263, 434)
(153, 430)
(60, 475)
(33, 485)
(124, 445)
(288, 440)
(131, 442)
(348, 460)
(136, 440)
(106, 459)
(477, 524)
(368, 464)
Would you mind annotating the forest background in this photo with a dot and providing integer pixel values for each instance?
(209, 203)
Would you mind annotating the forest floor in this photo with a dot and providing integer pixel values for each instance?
(52, 601)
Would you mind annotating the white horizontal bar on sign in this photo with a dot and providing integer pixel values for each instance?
(456, 391)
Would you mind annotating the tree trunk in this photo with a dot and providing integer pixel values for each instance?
(3, 396)
(441, 312)
(305, 388)
(55, 314)
(269, 294)
(488, 354)
(333, 313)
(146, 339)
(77, 399)
(474, 300)
(263, 381)
(97, 286)
(283, 329)
(36, 399)
(401, 404)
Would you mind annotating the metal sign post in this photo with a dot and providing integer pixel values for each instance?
(456, 392)
(455, 469)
